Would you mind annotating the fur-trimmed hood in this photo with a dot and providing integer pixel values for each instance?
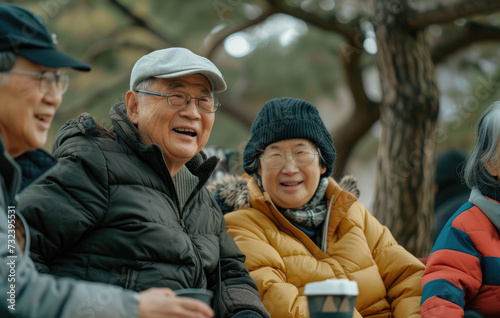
(231, 192)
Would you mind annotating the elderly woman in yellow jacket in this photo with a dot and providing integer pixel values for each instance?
(296, 225)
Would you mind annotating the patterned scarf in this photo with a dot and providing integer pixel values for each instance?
(314, 211)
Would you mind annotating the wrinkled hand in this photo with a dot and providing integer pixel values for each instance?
(163, 303)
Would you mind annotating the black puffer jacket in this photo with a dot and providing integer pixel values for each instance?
(110, 213)
(28, 293)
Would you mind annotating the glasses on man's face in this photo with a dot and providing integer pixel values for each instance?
(181, 100)
(48, 80)
(276, 160)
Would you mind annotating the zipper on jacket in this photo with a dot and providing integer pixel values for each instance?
(199, 186)
(183, 225)
(186, 206)
(324, 235)
(196, 191)
(170, 184)
(199, 266)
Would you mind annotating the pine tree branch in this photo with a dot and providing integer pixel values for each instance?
(464, 36)
(93, 99)
(138, 21)
(219, 37)
(331, 23)
(426, 13)
(365, 112)
(103, 46)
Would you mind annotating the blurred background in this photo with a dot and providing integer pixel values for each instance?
(323, 51)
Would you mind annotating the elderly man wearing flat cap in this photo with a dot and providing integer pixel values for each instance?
(128, 206)
(31, 89)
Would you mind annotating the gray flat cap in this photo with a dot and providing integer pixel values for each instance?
(176, 62)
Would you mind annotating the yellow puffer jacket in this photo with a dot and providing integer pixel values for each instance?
(282, 259)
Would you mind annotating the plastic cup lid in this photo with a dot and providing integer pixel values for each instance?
(332, 287)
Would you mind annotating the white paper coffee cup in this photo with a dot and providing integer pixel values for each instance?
(331, 298)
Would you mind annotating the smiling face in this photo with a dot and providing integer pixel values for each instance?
(291, 186)
(25, 112)
(180, 133)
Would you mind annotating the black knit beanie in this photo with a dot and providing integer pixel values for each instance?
(288, 118)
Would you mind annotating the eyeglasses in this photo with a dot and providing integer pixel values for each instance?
(48, 80)
(276, 160)
(181, 100)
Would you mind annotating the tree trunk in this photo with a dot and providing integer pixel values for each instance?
(404, 196)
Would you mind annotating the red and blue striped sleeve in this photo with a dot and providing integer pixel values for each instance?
(453, 272)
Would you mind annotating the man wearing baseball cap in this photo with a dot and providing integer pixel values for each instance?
(31, 89)
(128, 206)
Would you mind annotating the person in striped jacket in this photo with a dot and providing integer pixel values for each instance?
(462, 272)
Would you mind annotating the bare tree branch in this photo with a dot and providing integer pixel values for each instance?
(83, 105)
(232, 103)
(470, 33)
(103, 46)
(346, 135)
(429, 13)
(365, 112)
(330, 24)
(217, 38)
(233, 108)
(143, 23)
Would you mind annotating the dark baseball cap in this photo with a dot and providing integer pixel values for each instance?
(25, 34)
